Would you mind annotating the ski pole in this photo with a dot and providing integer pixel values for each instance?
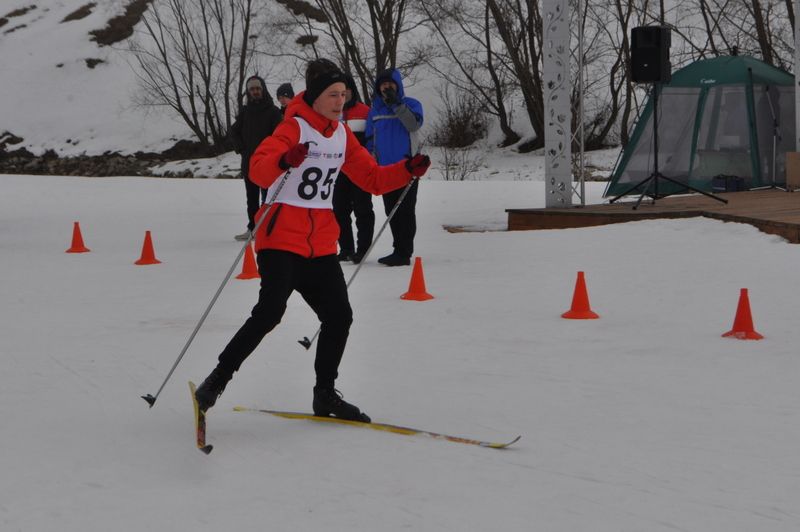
(305, 342)
(151, 399)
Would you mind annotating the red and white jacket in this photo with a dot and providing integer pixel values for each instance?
(312, 232)
(356, 119)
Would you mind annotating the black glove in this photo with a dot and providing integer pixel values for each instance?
(390, 96)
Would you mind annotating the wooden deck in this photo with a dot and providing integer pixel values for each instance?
(771, 211)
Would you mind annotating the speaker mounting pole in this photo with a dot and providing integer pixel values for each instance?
(557, 107)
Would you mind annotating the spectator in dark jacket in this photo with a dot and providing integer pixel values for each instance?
(391, 134)
(348, 198)
(256, 121)
(285, 93)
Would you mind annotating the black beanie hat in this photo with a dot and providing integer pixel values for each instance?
(320, 74)
(285, 90)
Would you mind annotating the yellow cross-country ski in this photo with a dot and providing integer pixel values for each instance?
(396, 429)
(199, 422)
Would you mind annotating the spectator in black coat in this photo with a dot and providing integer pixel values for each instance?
(256, 121)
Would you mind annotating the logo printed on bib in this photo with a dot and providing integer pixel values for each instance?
(316, 154)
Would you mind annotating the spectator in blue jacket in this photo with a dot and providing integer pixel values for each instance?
(391, 135)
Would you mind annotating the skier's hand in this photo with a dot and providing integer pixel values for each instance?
(418, 165)
(294, 157)
(390, 96)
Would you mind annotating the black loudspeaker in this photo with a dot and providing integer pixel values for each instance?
(650, 54)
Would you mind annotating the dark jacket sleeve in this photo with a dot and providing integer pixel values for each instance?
(265, 166)
(275, 119)
(235, 134)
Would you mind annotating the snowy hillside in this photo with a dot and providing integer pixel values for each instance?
(56, 95)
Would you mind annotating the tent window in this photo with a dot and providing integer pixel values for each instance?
(723, 143)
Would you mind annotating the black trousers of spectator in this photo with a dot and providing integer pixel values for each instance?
(349, 199)
(404, 222)
(253, 201)
(321, 283)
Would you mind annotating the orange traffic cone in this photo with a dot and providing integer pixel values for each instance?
(77, 240)
(743, 322)
(249, 266)
(416, 288)
(580, 302)
(148, 254)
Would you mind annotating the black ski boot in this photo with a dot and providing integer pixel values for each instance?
(328, 402)
(208, 392)
(395, 259)
(358, 256)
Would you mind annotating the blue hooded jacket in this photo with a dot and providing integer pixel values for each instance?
(387, 138)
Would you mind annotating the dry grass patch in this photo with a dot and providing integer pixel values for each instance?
(82, 12)
(121, 27)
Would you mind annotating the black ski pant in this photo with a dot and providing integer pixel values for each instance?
(321, 283)
(404, 222)
(349, 199)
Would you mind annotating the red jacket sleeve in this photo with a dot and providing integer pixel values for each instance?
(264, 163)
(363, 170)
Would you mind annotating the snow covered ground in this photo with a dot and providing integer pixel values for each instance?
(643, 420)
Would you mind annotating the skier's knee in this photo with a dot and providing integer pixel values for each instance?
(266, 313)
(340, 320)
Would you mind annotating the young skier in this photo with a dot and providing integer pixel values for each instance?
(296, 244)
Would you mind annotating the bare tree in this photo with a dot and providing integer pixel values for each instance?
(461, 120)
(192, 57)
(755, 9)
(365, 34)
(762, 28)
(458, 164)
(474, 67)
(519, 24)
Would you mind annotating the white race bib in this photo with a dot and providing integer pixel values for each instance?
(311, 184)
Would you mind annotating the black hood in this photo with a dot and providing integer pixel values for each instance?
(266, 99)
(350, 83)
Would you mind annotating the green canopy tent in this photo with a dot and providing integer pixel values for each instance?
(723, 124)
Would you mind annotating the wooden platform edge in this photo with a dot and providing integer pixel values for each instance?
(534, 219)
(788, 231)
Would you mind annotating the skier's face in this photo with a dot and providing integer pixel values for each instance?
(331, 101)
